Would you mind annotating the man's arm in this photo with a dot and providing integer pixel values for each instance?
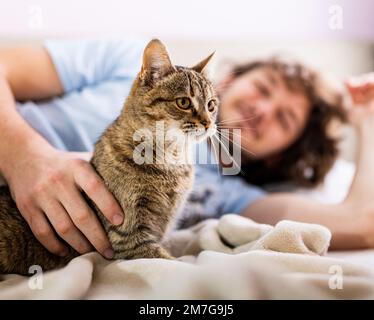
(45, 182)
(25, 74)
(30, 73)
(352, 221)
(351, 225)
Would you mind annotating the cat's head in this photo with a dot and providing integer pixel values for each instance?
(183, 98)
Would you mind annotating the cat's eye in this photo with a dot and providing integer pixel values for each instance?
(263, 89)
(184, 103)
(212, 105)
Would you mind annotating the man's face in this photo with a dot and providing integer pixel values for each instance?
(271, 117)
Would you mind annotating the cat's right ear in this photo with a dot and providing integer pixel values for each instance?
(156, 62)
(200, 67)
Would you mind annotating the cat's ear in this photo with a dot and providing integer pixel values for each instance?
(202, 64)
(156, 62)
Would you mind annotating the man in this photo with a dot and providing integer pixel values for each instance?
(78, 88)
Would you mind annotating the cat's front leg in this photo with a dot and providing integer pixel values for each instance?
(146, 251)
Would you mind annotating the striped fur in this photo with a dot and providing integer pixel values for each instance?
(151, 194)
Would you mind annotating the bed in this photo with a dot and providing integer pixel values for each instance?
(229, 258)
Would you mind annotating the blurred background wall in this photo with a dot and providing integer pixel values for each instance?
(336, 36)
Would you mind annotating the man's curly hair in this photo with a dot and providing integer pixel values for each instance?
(310, 157)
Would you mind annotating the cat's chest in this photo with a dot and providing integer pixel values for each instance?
(154, 185)
(177, 181)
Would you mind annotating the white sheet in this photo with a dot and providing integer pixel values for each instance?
(264, 262)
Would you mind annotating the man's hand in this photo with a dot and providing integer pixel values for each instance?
(45, 183)
(46, 186)
(361, 90)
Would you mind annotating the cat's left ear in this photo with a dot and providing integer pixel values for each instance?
(156, 62)
(200, 67)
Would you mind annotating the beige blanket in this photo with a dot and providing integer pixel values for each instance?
(230, 258)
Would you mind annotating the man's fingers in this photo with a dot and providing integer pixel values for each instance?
(95, 188)
(87, 222)
(65, 228)
(44, 233)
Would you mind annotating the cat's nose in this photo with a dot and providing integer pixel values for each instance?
(205, 123)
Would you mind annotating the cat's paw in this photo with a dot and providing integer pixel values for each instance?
(158, 252)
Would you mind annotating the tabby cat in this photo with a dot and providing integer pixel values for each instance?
(150, 194)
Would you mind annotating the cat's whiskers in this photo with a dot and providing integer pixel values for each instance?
(238, 135)
(236, 120)
(230, 127)
(236, 144)
(216, 155)
(228, 153)
(235, 134)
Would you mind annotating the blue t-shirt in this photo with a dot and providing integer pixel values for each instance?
(96, 76)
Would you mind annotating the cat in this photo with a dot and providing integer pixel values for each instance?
(150, 194)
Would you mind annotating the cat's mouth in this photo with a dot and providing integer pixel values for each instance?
(199, 133)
